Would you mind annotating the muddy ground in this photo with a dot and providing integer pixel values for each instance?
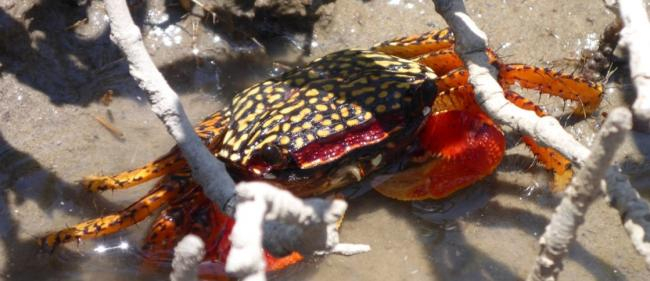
(57, 61)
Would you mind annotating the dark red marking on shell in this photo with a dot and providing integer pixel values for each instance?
(338, 145)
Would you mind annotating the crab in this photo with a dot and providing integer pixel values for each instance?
(332, 123)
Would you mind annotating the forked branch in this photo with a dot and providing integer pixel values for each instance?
(470, 45)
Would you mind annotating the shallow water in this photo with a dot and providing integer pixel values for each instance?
(49, 139)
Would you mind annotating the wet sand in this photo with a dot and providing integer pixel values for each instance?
(49, 140)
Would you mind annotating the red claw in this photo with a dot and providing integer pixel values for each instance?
(466, 147)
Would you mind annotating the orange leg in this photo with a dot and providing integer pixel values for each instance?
(165, 191)
(450, 69)
(169, 163)
(210, 131)
(549, 157)
(448, 66)
(442, 62)
(433, 49)
(454, 79)
(415, 45)
(192, 213)
(458, 98)
(586, 93)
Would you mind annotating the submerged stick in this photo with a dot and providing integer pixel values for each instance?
(634, 211)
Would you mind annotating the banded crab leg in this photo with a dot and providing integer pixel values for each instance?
(415, 45)
(435, 50)
(167, 189)
(549, 157)
(210, 131)
(442, 62)
(588, 94)
(192, 213)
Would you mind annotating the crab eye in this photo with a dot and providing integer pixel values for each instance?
(271, 155)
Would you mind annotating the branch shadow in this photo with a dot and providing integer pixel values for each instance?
(63, 50)
(452, 256)
(459, 259)
(69, 67)
(534, 226)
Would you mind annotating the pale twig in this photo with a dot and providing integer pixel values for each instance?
(470, 45)
(635, 36)
(317, 221)
(206, 169)
(188, 254)
(584, 188)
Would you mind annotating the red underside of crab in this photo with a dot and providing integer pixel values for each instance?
(215, 236)
(219, 245)
(471, 145)
(464, 146)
